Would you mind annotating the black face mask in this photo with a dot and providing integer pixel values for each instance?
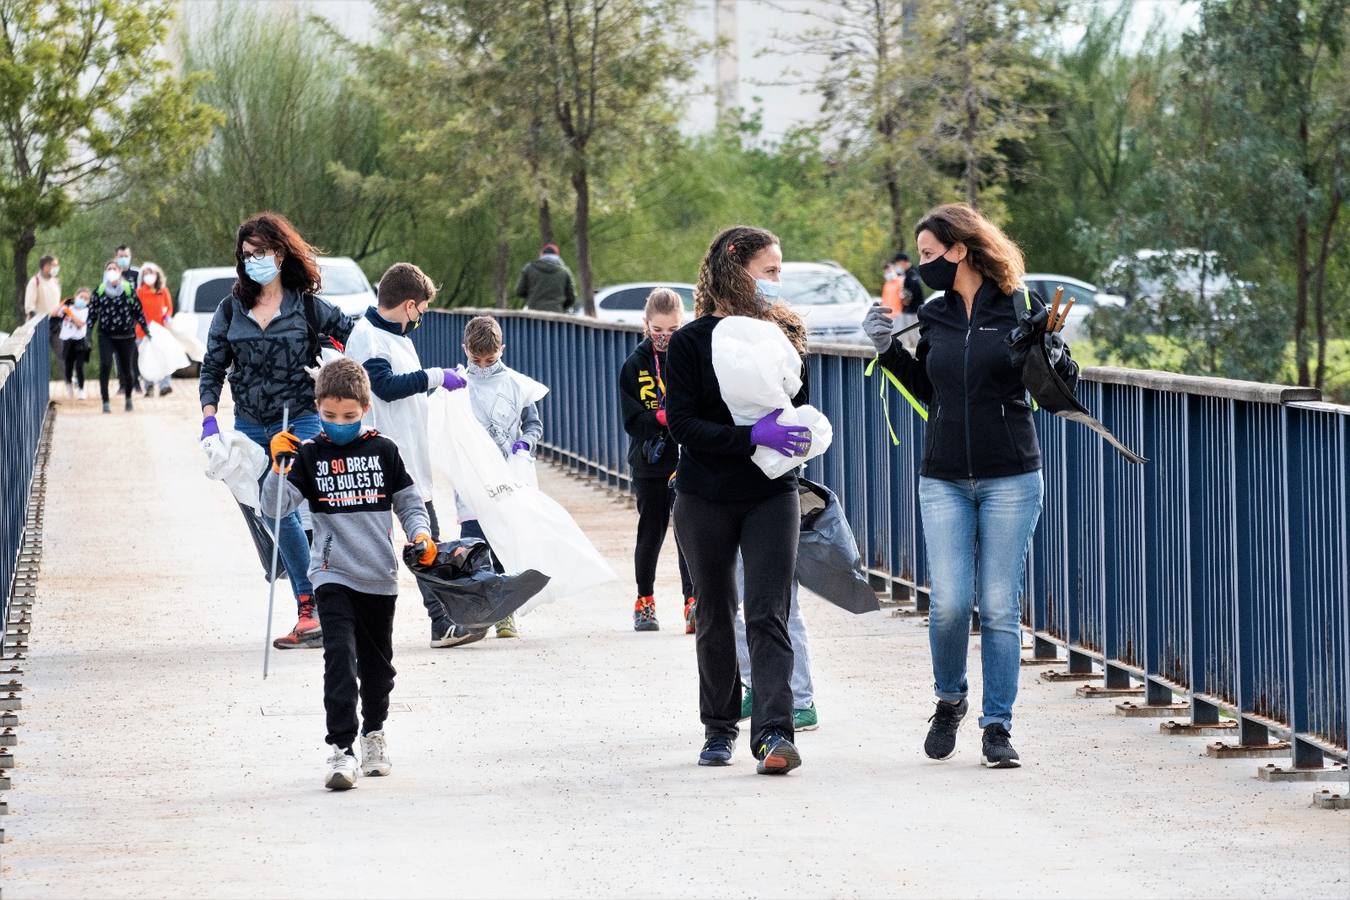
(939, 273)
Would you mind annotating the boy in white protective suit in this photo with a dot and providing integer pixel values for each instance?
(399, 387)
(500, 404)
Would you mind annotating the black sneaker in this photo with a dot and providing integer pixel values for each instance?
(777, 756)
(166, 391)
(107, 407)
(717, 751)
(998, 752)
(946, 719)
(128, 406)
(458, 636)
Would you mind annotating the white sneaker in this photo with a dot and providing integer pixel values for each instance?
(375, 754)
(81, 395)
(341, 770)
(70, 391)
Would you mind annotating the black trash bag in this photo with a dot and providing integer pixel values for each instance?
(828, 561)
(471, 592)
(262, 542)
(1027, 352)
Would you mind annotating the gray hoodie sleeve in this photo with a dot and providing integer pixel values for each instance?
(411, 512)
(531, 426)
(291, 496)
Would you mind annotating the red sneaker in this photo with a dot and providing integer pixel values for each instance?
(306, 632)
(690, 608)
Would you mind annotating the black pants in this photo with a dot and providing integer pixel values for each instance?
(75, 356)
(435, 609)
(654, 501)
(765, 532)
(358, 647)
(124, 348)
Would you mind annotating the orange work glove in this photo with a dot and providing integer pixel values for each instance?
(284, 446)
(426, 547)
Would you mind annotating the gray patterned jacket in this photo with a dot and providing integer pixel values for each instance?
(266, 367)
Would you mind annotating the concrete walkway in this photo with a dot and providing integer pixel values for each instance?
(154, 761)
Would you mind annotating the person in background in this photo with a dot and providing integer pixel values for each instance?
(514, 426)
(75, 340)
(157, 304)
(42, 297)
(653, 454)
(400, 384)
(130, 273)
(912, 293)
(545, 283)
(116, 312)
(890, 289)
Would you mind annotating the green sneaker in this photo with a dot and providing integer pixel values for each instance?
(805, 719)
(745, 703)
(506, 628)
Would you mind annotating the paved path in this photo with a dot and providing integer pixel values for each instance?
(154, 761)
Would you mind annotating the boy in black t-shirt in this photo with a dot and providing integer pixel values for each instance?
(352, 479)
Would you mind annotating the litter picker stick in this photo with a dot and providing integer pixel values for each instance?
(1054, 309)
(1059, 323)
(276, 543)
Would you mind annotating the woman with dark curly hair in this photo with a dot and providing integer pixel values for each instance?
(264, 335)
(725, 505)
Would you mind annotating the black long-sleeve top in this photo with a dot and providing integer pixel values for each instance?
(715, 452)
(641, 389)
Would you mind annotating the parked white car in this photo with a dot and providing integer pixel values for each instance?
(1086, 299)
(201, 290)
(829, 299)
(623, 304)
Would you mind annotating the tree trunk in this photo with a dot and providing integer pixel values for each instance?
(499, 268)
(897, 207)
(1301, 298)
(22, 246)
(1320, 287)
(545, 222)
(972, 172)
(581, 184)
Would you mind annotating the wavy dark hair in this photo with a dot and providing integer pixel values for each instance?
(299, 260)
(992, 253)
(726, 287)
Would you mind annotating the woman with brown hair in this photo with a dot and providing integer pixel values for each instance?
(980, 485)
(264, 335)
(725, 505)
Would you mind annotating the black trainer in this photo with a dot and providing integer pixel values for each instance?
(998, 752)
(946, 719)
(717, 751)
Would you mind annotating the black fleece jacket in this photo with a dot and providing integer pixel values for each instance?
(642, 390)
(980, 421)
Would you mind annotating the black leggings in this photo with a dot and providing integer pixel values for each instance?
(75, 356)
(125, 350)
(765, 532)
(654, 500)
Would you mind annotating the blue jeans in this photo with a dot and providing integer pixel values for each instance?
(803, 691)
(978, 533)
(293, 546)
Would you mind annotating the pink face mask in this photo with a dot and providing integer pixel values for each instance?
(661, 341)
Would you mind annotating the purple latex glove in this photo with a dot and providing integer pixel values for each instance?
(789, 440)
(520, 447)
(209, 427)
(452, 380)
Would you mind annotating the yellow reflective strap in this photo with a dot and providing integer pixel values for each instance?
(885, 400)
(1035, 407)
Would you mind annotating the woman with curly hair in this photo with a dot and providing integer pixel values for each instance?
(726, 505)
(980, 483)
(264, 335)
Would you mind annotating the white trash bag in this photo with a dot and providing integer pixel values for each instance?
(522, 467)
(161, 357)
(526, 528)
(759, 371)
(234, 459)
(186, 333)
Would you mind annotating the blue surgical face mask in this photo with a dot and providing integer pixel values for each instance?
(80, 303)
(339, 433)
(124, 262)
(769, 290)
(264, 271)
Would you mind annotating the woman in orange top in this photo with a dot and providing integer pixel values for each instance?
(153, 292)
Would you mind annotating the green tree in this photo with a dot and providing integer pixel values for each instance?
(609, 64)
(73, 75)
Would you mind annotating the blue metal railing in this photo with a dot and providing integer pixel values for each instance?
(23, 406)
(1218, 570)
